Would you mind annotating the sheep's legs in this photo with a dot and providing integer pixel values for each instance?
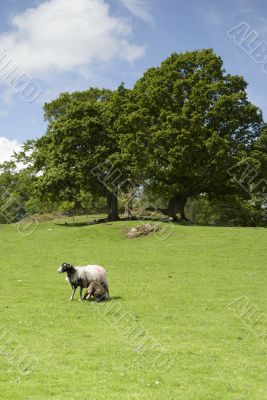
(72, 293)
(81, 293)
(105, 287)
(107, 291)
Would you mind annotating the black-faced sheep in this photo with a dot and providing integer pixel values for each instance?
(83, 276)
(96, 290)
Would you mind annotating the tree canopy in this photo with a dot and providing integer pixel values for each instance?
(79, 150)
(194, 122)
(186, 128)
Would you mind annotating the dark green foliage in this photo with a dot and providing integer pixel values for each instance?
(226, 210)
(79, 151)
(191, 122)
(186, 129)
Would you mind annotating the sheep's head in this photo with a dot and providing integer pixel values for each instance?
(65, 267)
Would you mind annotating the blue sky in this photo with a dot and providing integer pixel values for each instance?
(66, 45)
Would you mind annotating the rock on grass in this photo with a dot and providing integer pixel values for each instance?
(142, 230)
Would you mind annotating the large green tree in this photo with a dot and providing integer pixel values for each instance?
(187, 124)
(79, 151)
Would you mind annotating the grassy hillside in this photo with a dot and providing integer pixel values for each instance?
(200, 297)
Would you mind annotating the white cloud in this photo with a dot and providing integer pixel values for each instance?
(65, 35)
(140, 8)
(7, 147)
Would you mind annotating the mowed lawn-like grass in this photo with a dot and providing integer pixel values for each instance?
(177, 290)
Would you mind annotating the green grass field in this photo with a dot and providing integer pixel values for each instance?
(200, 295)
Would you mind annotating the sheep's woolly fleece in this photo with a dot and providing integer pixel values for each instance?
(142, 230)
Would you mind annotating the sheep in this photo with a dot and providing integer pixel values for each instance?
(95, 289)
(83, 276)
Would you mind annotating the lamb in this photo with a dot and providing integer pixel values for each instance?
(97, 290)
(83, 276)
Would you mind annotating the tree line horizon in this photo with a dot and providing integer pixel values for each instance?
(185, 129)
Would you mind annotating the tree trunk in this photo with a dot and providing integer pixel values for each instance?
(128, 211)
(76, 208)
(77, 205)
(176, 206)
(112, 205)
